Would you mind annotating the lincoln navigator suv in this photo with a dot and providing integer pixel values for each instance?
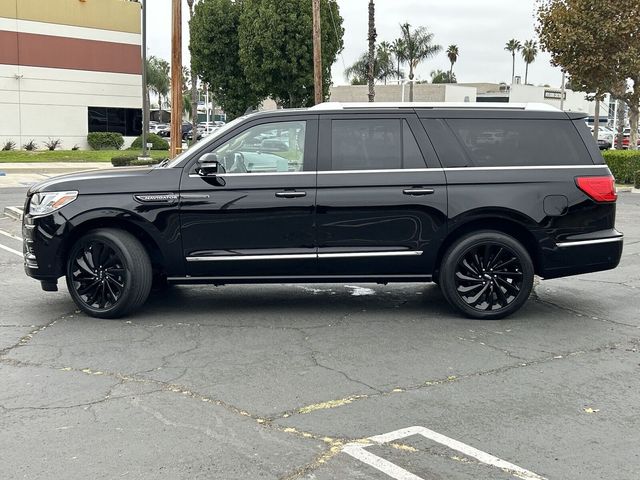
(477, 198)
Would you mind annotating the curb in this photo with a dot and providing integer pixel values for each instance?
(13, 212)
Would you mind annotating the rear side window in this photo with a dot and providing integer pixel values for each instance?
(374, 144)
(509, 142)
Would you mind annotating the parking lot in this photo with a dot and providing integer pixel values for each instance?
(322, 381)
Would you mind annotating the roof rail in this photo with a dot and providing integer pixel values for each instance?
(539, 107)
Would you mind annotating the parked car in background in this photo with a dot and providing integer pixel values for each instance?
(605, 137)
(158, 127)
(476, 198)
(627, 138)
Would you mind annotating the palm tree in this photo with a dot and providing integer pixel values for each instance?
(452, 53)
(440, 76)
(397, 48)
(383, 67)
(513, 46)
(158, 80)
(529, 54)
(418, 47)
(372, 50)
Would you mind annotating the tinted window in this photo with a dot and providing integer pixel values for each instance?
(127, 121)
(376, 144)
(508, 142)
(270, 147)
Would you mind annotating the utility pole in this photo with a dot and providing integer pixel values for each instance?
(176, 79)
(145, 104)
(317, 53)
(372, 50)
(563, 89)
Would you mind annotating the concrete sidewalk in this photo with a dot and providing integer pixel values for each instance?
(26, 174)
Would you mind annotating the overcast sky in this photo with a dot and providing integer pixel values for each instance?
(479, 28)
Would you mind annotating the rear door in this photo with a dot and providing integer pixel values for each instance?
(381, 198)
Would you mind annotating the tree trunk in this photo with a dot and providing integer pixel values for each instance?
(372, 50)
(596, 119)
(620, 125)
(148, 109)
(194, 89)
(410, 84)
(451, 71)
(513, 69)
(526, 75)
(634, 113)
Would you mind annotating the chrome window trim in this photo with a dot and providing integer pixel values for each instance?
(589, 242)
(254, 174)
(301, 256)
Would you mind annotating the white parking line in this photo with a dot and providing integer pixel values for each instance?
(7, 234)
(11, 250)
(357, 450)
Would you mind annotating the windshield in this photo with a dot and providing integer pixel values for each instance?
(203, 144)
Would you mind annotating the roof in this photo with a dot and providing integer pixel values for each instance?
(530, 107)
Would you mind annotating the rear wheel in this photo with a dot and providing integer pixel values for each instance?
(108, 273)
(487, 275)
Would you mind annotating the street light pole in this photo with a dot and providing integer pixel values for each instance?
(176, 79)
(145, 104)
(317, 53)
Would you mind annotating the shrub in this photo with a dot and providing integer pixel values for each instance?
(52, 144)
(623, 164)
(30, 146)
(105, 140)
(158, 143)
(636, 184)
(8, 146)
(132, 161)
(75, 148)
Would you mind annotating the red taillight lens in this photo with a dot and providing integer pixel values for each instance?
(601, 189)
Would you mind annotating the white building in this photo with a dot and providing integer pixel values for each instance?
(67, 68)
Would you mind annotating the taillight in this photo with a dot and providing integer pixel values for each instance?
(601, 189)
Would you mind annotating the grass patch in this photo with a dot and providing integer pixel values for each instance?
(73, 156)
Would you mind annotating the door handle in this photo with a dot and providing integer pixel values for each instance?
(291, 194)
(418, 191)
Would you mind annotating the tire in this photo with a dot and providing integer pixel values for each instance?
(486, 275)
(109, 273)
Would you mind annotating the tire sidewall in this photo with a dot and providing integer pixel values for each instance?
(110, 239)
(460, 249)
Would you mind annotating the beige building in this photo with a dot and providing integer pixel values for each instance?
(424, 92)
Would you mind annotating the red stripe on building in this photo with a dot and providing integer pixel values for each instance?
(70, 53)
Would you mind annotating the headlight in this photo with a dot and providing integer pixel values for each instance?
(47, 202)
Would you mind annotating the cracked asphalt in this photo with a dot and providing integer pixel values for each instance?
(253, 382)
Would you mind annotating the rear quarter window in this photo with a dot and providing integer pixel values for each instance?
(519, 142)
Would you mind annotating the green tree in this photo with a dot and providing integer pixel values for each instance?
(215, 52)
(276, 48)
(397, 48)
(383, 67)
(598, 47)
(452, 53)
(513, 46)
(440, 76)
(529, 54)
(158, 79)
(418, 47)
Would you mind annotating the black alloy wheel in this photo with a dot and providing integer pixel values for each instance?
(109, 273)
(487, 275)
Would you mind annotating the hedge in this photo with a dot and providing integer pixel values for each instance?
(636, 184)
(158, 143)
(131, 161)
(623, 164)
(105, 140)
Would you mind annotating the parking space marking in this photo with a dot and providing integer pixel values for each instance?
(357, 450)
(7, 234)
(11, 250)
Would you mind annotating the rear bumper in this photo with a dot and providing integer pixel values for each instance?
(583, 254)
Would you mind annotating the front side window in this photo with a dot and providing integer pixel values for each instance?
(512, 142)
(270, 147)
(374, 144)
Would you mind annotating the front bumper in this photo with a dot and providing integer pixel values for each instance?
(42, 247)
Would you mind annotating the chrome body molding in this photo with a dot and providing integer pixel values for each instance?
(589, 242)
(301, 256)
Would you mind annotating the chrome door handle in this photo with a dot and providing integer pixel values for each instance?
(290, 194)
(418, 191)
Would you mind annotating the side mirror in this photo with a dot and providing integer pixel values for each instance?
(208, 165)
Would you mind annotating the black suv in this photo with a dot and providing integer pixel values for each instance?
(475, 197)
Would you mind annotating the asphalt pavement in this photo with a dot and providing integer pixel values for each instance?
(322, 382)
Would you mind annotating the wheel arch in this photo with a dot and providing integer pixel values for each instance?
(509, 225)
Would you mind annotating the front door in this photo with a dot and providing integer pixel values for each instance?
(255, 217)
(382, 197)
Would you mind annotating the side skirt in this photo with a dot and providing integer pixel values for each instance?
(383, 279)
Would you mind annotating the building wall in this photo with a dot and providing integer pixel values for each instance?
(426, 92)
(59, 57)
(574, 102)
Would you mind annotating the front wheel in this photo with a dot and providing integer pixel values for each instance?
(108, 273)
(487, 275)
